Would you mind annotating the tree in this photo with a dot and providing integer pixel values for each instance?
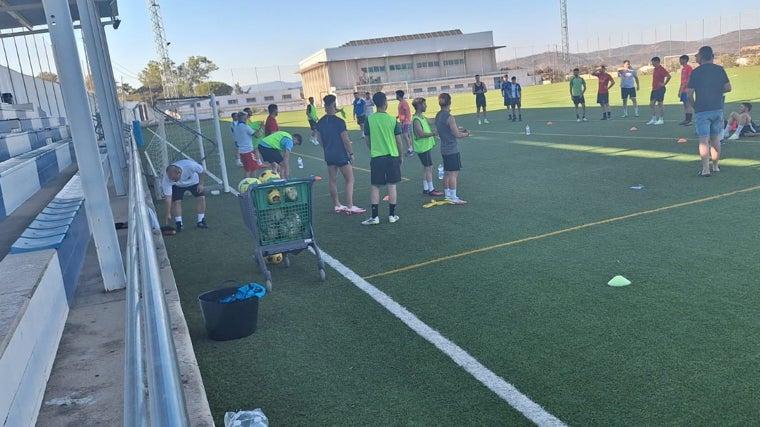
(217, 88)
(197, 69)
(51, 77)
(150, 76)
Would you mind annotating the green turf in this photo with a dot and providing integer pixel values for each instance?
(517, 278)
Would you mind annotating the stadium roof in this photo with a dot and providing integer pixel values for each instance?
(402, 38)
(28, 16)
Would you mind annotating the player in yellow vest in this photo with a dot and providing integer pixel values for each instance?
(424, 141)
(275, 149)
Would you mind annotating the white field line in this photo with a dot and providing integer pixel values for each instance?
(498, 385)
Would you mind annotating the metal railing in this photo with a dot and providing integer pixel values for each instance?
(152, 385)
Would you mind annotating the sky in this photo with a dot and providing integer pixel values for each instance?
(256, 43)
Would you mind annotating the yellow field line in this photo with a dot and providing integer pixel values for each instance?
(558, 232)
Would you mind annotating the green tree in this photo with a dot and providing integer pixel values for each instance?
(51, 77)
(197, 69)
(217, 88)
(150, 76)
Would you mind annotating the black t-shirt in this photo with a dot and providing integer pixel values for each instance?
(708, 81)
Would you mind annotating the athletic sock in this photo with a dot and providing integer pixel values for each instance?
(425, 186)
(447, 193)
(739, 130)
(178, 218)
(392, 209)
(374, 211)
(431, 187)
(201, 217)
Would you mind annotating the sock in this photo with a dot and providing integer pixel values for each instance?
(201, 217)
(739, 130)
(689, 116)
(430, 186)
(391, 209)
(625, 110)
(453, 193)
(447, 193)
(726, 130)
(654, 118)
(178, 218)
(374, 211)
(636, 110)
(425, 186)
(609, 114)
(520, 116)
(577, 116)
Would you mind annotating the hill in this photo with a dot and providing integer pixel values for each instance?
(638, 54)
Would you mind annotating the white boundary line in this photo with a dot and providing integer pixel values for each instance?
(495, 383)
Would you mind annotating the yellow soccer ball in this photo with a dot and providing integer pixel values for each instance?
(291, 194)
(274, 197)
(268, 175)
(245, 183)
(273, 259)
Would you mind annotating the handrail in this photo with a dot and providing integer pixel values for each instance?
(148, 324)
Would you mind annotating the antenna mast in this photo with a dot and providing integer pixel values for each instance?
(565, 40)
(162, 50)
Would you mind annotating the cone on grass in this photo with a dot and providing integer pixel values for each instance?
(634, 129)
(618, 281)
(681, 140)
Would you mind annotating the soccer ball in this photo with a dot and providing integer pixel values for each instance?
(273, 259)
(274, 197)
(245, 183)
(291, 194)
(268, 175)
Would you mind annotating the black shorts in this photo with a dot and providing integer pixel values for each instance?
(480, 100)
(628, 92)
(360, 119)
(602, 98)
(385, 170)
(426, 158)
(452, 162)
(178, 193)
(507, 102)
(578, 100)
(515, 102)
(658, 95)
(270, 155)
(312, 124)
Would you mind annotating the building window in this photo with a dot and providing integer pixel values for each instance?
(250, 100)
(287, 96)
(445, 87)
(417, 90)
(232, 102)
(269, 98)
(447, 62)
(397, 67)
(374, 69)
(428, 64)
(459, 86)
(197, 104)
(432, 89)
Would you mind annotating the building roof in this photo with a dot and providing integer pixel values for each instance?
(403, 38)
(29, 15)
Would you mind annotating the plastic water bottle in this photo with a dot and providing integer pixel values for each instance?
(300, 163)
(527, 129)
(440, 171)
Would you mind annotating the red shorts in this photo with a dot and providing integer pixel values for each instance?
(250, 162)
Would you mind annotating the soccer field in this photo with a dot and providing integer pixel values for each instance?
(498, 312)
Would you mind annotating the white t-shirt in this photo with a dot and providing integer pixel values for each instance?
(243, 135)
(627, 78)
(187, 178)
(369, 107)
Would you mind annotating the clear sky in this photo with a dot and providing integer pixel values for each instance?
(264, 41)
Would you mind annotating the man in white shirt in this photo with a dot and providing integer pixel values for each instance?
(183, 175)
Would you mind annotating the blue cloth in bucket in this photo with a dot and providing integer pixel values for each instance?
(251, 290)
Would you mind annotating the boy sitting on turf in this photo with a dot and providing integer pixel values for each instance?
(741, 122)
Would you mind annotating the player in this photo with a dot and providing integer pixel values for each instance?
(577, 89)
(603, 93)
(629, 85)
(479, 89)
(741, 123)
(359, 111)
(515, 99)
(313, 118)
(271, 126)
(405, 118)
(244, 135)
(181, 176)
(686, 70)
(424, 141)
(660, 78)
(452, 162)
(275, 149)
(506, 86)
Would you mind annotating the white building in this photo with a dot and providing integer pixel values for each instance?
(421, 64)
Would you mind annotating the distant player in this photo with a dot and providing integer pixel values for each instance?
(275, 149)
(686, 70)
(506, 86)
(479, 89)
(271, 126)
(311, 115)
(244, 135)
(603, 93)
(515, 99)
(232, 130)
(629, 84)
(424, 141)
(405, 119)
(359, 111)
(660, 78)
(449, 132)
(577, 91)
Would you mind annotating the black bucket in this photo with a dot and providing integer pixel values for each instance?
(228, 320)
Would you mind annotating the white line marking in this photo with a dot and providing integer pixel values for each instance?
(495, 383)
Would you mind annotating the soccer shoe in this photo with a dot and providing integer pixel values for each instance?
(409, 153)
(624, 115)
(355, 210)
(651, 122)
(480, 122)
(314, 141)
(341, 209)
(435, 193)
(202, 223)
(659, 122)
(486, 121)
(682, 122)
(584, 119)
(178, 226)
(371, 221)
(456, 201)
(688, 123)
(392, 218)
(578, 120)
(734, 137)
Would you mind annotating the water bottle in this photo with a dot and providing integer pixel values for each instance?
(300, 163)
(440, 171)
(527, 130)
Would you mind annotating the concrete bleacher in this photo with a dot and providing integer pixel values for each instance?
(41, 272)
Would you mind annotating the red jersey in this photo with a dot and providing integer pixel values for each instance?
(404, 113)
(270, 126)
(658, 77)
(604, 80)
(685, 74)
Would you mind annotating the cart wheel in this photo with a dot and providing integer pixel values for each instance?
(322, 274)
(268, 285)
(286, 261)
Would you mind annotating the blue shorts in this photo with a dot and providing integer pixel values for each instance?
(658, 95)
(708, 123)
(684, 97)
(603, 98)
(406, 128)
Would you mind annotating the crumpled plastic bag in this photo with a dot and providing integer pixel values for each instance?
(255, 418)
